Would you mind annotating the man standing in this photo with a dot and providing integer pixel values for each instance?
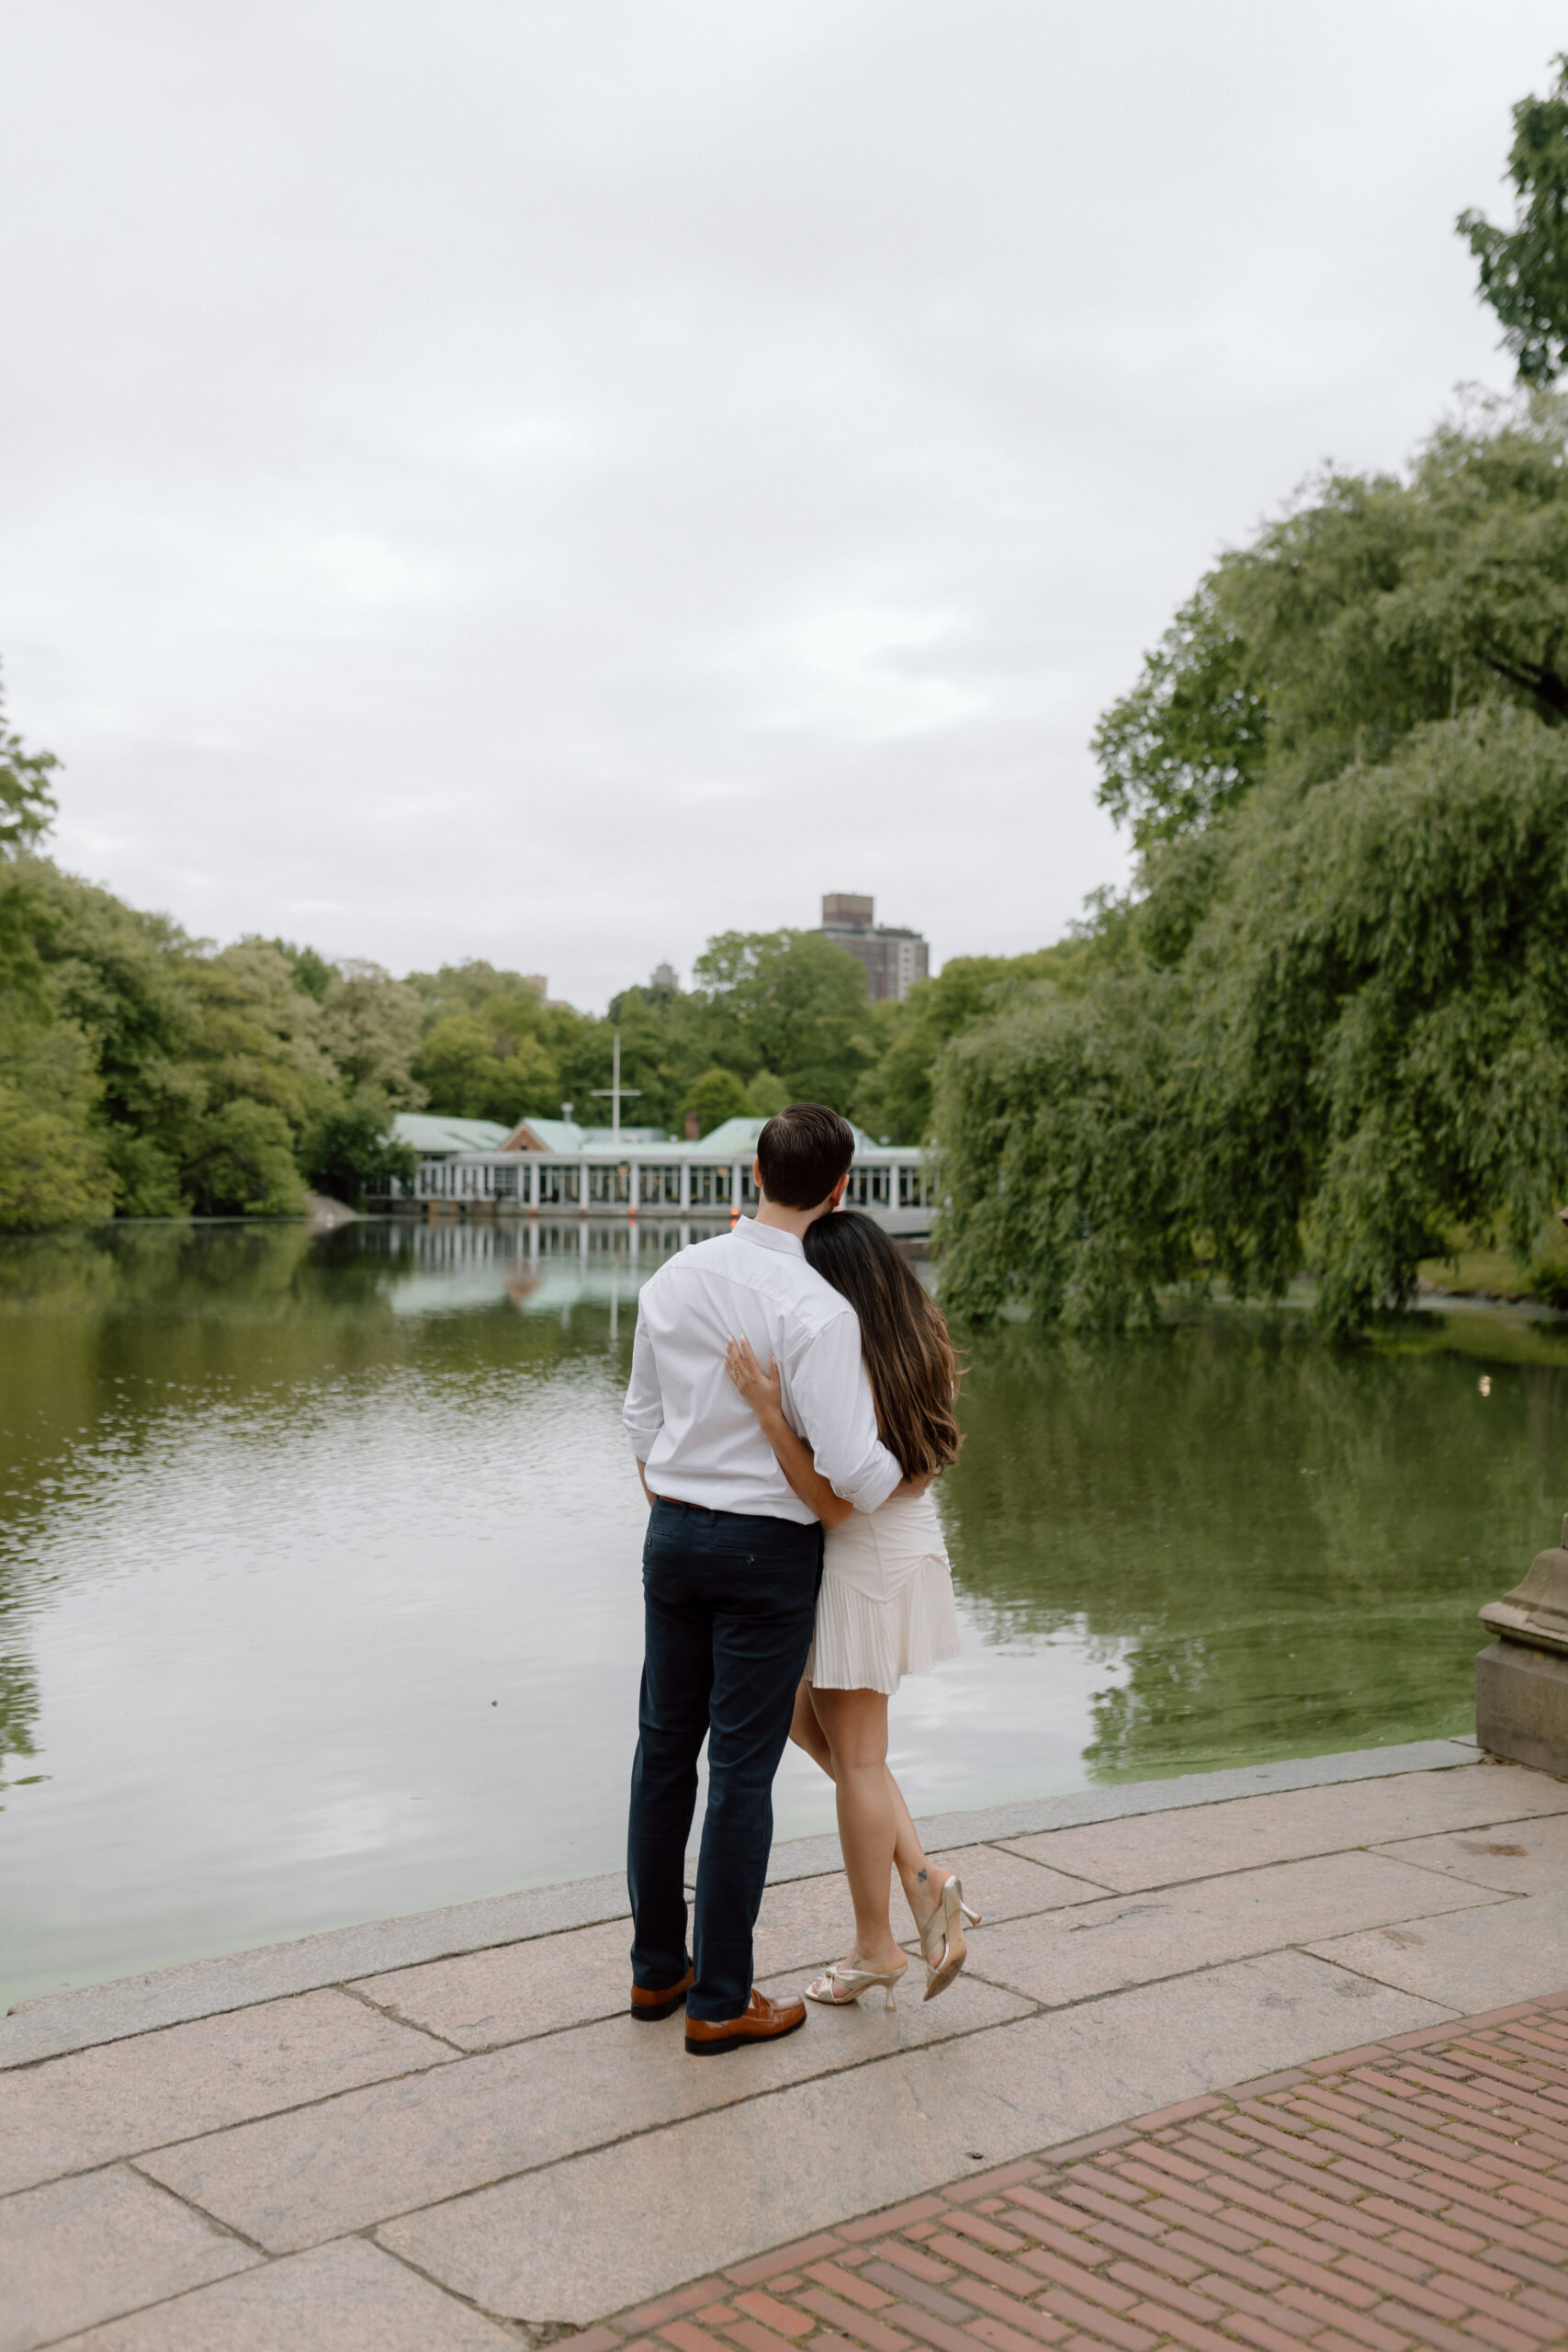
(730, 1569)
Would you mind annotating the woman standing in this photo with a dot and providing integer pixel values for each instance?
(885, 1607)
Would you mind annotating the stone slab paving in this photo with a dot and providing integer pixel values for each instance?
(469, 2143)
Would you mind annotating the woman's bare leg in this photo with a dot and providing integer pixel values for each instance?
(856, 1725)
(807, 1731)
(922, 1880)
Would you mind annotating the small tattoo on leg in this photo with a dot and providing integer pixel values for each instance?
(920, 1876)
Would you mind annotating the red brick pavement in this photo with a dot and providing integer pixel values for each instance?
(1410, 2194)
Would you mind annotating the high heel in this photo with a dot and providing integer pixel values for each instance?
(840, 1986)
(943, 1944)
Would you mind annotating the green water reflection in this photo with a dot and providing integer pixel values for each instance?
(318, 1567)
(1292, 1541)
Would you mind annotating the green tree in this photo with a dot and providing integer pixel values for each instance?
(717, 1095)
(792, 1003)
(455, 1065)
(1189, 740)
(370, 1028)
(1370, 606)
(52, 1165)
(53, 1168)
(115, 973)
(350, 1150)
(1523, 271)
(240, 1161)
(1379, 1041)
(311, 972)
(894, 1098)
(1323, 1029)
(542, 1053)
(26, 810)
(26, 803)
(250, 1034)
(469, 987)
(1061, 1163)
(178, 1036)
(475, 1067)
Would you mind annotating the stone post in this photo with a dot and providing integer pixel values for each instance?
(1521, 1682)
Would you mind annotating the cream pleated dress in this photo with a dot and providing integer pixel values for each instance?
(885, 1607)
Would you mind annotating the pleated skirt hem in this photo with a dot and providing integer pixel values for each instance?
(865, 1645)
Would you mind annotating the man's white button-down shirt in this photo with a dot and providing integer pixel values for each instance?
(698, 1439)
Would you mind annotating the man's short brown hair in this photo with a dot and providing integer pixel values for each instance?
(802, 1152)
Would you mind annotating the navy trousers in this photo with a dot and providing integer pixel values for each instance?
(729, 1603)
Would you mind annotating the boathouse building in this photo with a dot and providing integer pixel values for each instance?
(553, 1168)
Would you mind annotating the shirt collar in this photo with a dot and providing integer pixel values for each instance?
(770, 1236)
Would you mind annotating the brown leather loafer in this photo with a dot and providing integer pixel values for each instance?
(760, 2021)
(650, 2006)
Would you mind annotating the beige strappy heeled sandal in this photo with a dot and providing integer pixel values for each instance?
(840, 1986)
(944, 1946)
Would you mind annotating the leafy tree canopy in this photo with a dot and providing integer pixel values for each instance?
(717, 1095)
(1523, 271)
(894, 1097)
(1373, 604)
(1323, 1030)
(26, 803)
(476, 1066)
(1189, 740)
(157, 1075)
(792, 1003)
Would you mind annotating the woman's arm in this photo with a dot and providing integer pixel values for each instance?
(763, 1392)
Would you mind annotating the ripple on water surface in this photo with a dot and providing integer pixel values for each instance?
(319, 1588)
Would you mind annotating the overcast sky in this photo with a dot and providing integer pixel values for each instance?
(550, 480)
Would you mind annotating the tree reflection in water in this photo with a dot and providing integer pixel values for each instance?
(1285, 1544)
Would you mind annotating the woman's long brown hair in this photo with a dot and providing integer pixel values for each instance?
(909, 1356)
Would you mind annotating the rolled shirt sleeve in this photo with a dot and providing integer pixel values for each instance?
(642, 1415)
(838, 1414)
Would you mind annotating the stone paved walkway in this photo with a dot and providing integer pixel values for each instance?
(445, 2135)
(1410, 2194)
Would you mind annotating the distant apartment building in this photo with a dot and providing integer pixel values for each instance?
(893, 960)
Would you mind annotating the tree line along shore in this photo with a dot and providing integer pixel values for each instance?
(146, 1073)
(1323, 1031)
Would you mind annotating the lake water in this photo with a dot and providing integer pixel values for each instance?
(319, 1568)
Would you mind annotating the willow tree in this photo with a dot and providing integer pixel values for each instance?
(1326, 1026)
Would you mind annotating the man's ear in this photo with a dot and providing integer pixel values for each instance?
(837, 1195)
(757, 1179)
